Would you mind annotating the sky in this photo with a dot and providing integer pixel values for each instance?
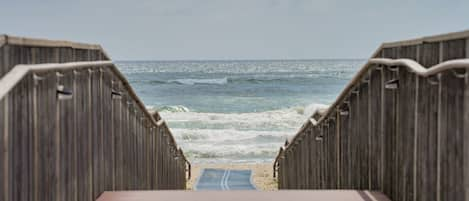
(233, 29)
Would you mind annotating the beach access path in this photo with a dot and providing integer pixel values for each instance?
(224, 179)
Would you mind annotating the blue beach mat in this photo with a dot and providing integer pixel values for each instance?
(221, 179)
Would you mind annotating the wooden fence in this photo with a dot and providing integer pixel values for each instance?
(71, 131)
(397, 127)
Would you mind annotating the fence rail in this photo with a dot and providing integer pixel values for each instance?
(398, 127)
(70, 131)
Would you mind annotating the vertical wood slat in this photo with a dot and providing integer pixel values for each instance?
(375, 129)
(4, 149)
(389, 130)
(4, 141)
(47, 141)
(451, 139)
(107, 133)
(466, 128)
(427, 112)
(345, 148)
(354, 140)
(68, 156)
(332, 155)
(82, 88)
(117, 129)
(452, 129)
(3, 61)
(19, 141)
(363, 135)
(406, 132)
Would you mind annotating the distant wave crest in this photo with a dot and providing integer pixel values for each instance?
(173, 108)
(220, 81)
(241, 80)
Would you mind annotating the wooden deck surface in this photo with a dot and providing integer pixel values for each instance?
(296, 195)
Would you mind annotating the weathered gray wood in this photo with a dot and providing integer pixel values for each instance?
(429, 54)
(118, 128)
(355, 142)
(65, 149)
(451, 138)
(419, 152)
(47, 138)
(346, 162)
(4, 149)
(20, 141)
(454, 49)
(332, 160)
(107, 131)
(466, 130)
(66, 127)
(2, 60)
(408, 52)
(82, 85)
(389, 129)
(427, 112)
(405, 135)
(375, 130)
(363, 136)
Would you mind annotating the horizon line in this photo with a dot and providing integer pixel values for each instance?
(174, 60)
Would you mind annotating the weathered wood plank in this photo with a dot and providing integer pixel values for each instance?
(332, 159)
(429, 54)
(454, 49)
(389, 128)
(355, 143)
(405, 135)
(427, 139)
(68, 140)
(375, 130)
(408, 52)
(3, 64)
(20, 141)
(107, 131)
(363, 135)
(451, 138)
(345, 138)
(4, 149)
(82, 89)
(117, 127)
(47, 138)
(466, 129)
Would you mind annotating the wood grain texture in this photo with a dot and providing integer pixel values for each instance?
(74, 149)
(375, 130)
(4, 149)
(415, 134)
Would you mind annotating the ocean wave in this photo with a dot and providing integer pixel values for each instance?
(228, 136)
(172, 108)
(233, 152)
(219, 81)
(252, 136)
(252, 79)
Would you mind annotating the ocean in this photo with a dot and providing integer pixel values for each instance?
(237, 111)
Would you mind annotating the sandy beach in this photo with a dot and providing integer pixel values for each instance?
(262, 174)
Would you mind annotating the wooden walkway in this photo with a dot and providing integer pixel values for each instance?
(315, 195)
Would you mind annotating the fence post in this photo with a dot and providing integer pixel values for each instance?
(466, 127)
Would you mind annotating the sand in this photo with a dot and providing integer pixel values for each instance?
(262, 174)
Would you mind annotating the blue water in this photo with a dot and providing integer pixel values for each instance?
(236, 111)
(221, 179)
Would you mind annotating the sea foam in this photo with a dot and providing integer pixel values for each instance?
(236, 137)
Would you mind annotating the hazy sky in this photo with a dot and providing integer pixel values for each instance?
(233, 29)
